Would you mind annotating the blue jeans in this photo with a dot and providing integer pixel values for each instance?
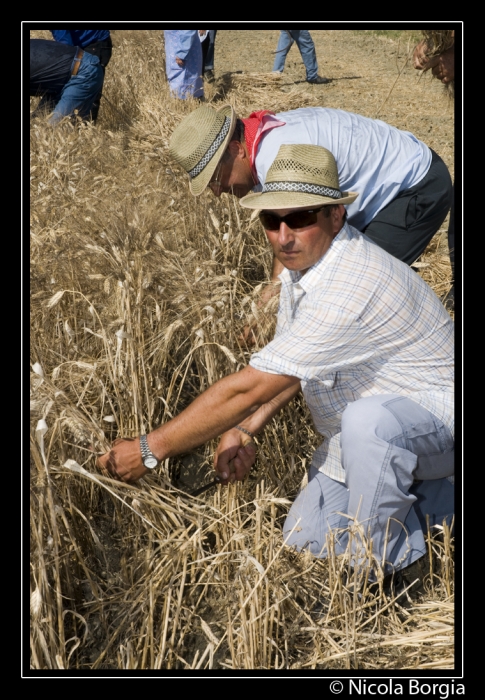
(397, 457)
(306, 47)
(101, 49)
(80, 91)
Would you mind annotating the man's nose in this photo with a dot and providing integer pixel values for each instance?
(285, 234)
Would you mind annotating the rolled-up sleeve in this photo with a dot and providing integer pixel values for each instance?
(319, 343)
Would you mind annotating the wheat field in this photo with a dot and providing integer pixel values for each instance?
(139, 295)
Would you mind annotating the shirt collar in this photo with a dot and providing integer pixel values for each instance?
(255, 126)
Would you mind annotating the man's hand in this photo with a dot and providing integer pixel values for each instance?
(442, 66)
(123, 462)
(444, 70)
(234, 457)
(420, 59)
(179, 62)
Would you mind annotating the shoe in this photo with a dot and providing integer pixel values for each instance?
(319, 80)
(393, 584)
(209, 76)
(320, 609)
(409, 580)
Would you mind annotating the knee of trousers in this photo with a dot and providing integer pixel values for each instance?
(314, 537)
(366, 425)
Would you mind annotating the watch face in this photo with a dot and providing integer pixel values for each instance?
(150, 462)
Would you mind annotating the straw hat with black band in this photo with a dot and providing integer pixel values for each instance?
(199, 142)
(301, 176)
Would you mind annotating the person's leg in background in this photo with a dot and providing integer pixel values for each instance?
(285, 42)
(308, 54)
(193, 71)
(184, 80)
(80, 91)
(103, 50)
(208, 46)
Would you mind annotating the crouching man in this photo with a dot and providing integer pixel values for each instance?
(67, 78)
(371, 347)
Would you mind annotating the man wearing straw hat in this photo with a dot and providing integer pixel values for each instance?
(404, 187)
(370, 346)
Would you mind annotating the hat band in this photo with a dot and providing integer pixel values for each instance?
(302, 187)
(212, 149)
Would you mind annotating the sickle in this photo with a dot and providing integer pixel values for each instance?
(216, 480)
(206, 487)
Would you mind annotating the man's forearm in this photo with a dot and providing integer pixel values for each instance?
(225, 404)
(236, 451)
(257, 420)
(221, 407)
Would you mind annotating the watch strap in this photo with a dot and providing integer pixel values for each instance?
(146, 453)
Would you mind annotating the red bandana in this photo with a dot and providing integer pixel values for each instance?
(257, 124)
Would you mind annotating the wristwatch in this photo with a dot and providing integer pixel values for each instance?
(149, 459)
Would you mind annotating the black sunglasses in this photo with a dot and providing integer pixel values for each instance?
(295, 220)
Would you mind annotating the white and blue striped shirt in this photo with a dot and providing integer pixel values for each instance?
(360, 323)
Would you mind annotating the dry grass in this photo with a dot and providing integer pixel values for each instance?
(138, 293)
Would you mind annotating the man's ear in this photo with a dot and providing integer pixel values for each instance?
(236, 149)
(337, 213)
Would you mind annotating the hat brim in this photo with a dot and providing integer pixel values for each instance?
(198, 184)
(292, 200)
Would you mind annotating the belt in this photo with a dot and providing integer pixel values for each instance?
(77, 61)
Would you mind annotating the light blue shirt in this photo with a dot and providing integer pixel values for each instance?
(373, 158)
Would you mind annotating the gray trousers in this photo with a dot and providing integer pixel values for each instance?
(397, 457)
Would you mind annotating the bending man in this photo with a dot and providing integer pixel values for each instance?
(67, 78)
(97, 42)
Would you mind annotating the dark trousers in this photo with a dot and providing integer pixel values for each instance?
(405, 226)
(101, 49)
(208, 50)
